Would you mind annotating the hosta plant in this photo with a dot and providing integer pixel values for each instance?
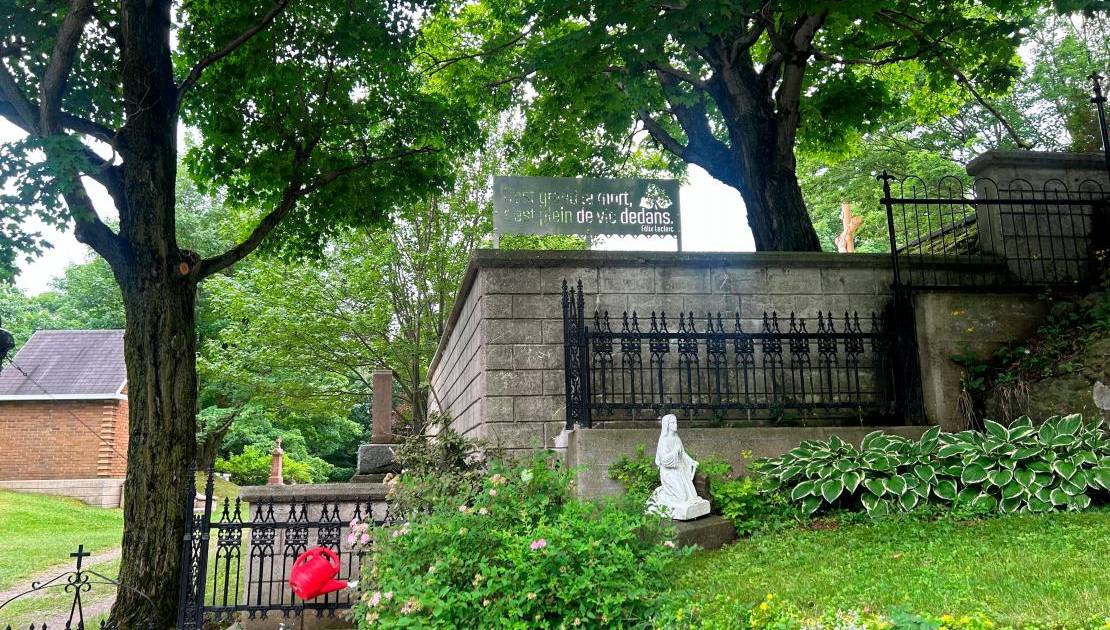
(1062, 464)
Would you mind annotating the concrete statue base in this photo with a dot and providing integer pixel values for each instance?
(689, 511)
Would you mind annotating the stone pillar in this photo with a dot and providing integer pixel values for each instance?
(1057, 231)
(381, 408)
(275, 466)
(377, 458)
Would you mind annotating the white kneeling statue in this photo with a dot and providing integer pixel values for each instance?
(675, 497)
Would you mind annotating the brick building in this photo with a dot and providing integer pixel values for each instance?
(63, 416)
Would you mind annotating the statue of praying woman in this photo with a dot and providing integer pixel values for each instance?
(675, 497)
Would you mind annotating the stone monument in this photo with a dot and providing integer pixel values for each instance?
(675, 497)
(276, 474)
(377, 458)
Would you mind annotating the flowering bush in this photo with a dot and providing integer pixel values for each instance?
(523, 552)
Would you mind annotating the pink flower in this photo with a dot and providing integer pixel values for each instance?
(492, 492)
(376, 598)
(350, 539)
(539, 543)
(365, 539)
(410, 606)
(669, 544)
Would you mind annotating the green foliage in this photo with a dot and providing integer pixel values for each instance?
(637, 474)
(1024, 571)
(437, 472)
(252, 468)
(522, 554)
(1063, 464)
(750, 507)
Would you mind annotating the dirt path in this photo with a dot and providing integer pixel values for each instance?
(91, 611)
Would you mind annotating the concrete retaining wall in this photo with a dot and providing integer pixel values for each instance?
(976, 324)
(499, 369)
(592, 451)
(96, 492)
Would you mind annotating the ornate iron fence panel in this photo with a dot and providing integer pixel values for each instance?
(236, 563)
(78, 583)
(958, 234)
(724, 367)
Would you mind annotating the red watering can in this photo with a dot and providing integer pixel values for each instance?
(313, 573)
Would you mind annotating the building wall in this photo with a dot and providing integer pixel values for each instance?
(499, 370)
(75, 448)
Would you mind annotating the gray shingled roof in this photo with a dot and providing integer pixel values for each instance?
(67, 363)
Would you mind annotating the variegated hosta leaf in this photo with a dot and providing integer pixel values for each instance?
(870, 501)
(1024, 476)
(908, 501)
(810, 504)
(851, 481)
(875, 486)
(803, 489)
(832, 489)
(896, 485)
(974, 473)
(1000, 477)
(945, 489)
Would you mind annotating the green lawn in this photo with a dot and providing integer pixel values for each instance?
(1053, 569)
(39, 531)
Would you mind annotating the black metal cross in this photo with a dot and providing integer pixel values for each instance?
(80, 554)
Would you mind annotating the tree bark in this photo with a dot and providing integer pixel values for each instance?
(158, 282)
(777, 212)
(160, 349)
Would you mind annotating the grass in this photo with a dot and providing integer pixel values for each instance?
(40, 531)
(1048, 569)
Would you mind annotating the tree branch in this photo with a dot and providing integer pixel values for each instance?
(91, 128)
(88, 228)
(681, 75)
(228, 48)
(14, 106)
(331, 176)
(661, 135)
(56, 75)
(439, 65)
(892, 17)
(294, 191)
(209, 266)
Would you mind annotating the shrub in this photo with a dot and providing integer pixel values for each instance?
(1064, 463)
(751, 507)
(523, 553)
(637, 474)
(444, 470)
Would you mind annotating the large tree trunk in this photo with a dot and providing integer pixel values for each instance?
(777, 213)
(160, 347)
(159, 295)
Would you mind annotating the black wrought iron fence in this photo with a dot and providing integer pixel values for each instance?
(236, 561)
(78, 585)
(724, 367)
(966, 234)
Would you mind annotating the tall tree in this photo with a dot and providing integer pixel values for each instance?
(310, 115)
(730, 85)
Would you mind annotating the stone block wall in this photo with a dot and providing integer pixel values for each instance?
(499, 369)
(950, 324)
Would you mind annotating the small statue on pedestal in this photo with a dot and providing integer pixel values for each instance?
(675, 497)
